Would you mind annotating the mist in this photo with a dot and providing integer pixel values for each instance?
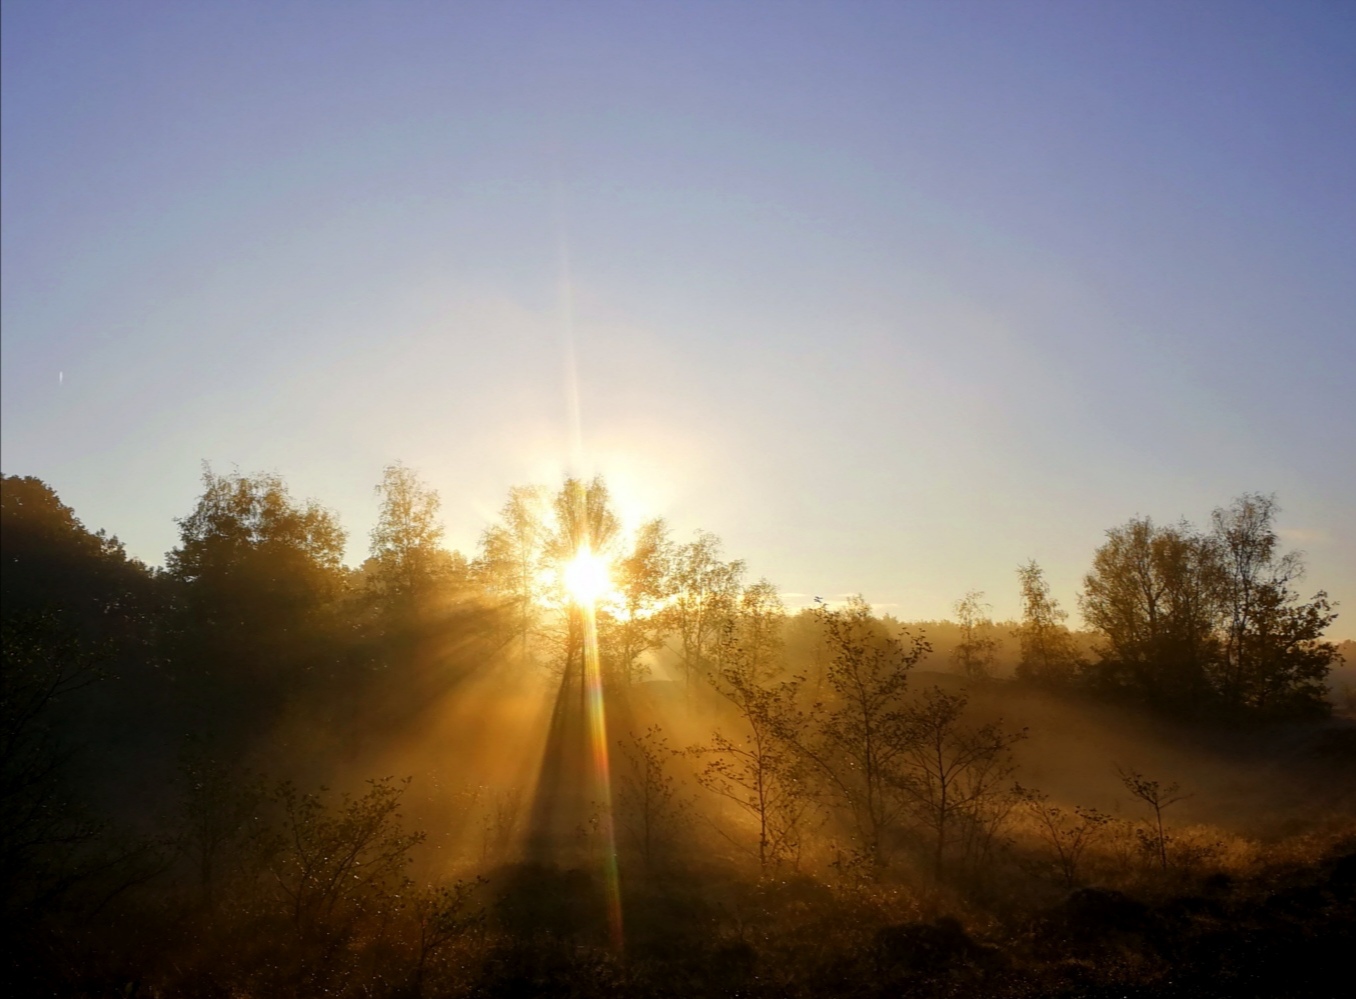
(598, 757)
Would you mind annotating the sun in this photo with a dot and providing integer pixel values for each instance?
(586, 577)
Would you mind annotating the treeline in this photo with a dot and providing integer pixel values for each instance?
(255, 607)
(1198, 624)
(793, 749)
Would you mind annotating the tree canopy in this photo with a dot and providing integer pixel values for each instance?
(1197, 621)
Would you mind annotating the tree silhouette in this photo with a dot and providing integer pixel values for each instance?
(648, 804)
(1274, 659)
(259, 579)
(858, 736)
(584, 523)
(974, 654)
(1158, 797)
(1068, 832)
(1153, 593)
(956, 775)
(1192, 621)
(1048, 653)
(408, 559)
(511, 556)
(53, 564)
(757, 766)
(43, 836)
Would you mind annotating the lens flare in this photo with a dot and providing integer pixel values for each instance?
(602, 776)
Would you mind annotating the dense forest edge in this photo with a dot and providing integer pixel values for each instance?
(258, 771)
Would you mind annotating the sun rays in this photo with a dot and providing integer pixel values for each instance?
(587, 578)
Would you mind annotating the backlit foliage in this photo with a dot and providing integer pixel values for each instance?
(796, 804)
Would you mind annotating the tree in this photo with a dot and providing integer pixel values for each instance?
(806, 649)
(60, 862)
(241, 518)
(643, 583)
(1153, 594)
(215, 828)
(974, 654)
(81, 584)
(511, 555)
(757, 628)
(585, 520)
(51, 563)
(407, 558)
(705, 592)
(1068, 833)
(1274, 657)
(442, 914)
(1288, 661)
(43, 839)
(856, 740)
(585, 525)
(648, 804)
(1048, 652)
(421, 626)
(329, 864)
(758, 768)
(258, 577)
(1158, 797)
(1190, 618)
(955, 775)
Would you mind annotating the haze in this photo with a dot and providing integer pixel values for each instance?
(891, 296)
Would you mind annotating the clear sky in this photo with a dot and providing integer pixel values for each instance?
(891, 296)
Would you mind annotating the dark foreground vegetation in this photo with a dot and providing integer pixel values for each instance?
(258, 772)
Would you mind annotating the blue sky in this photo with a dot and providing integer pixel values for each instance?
(890, 296)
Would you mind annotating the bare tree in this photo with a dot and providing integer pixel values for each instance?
(955, 775)
(757, 768)
(648, 804)
(442, 914)
(329, 864)
(1068, 832)
(1158, 797)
